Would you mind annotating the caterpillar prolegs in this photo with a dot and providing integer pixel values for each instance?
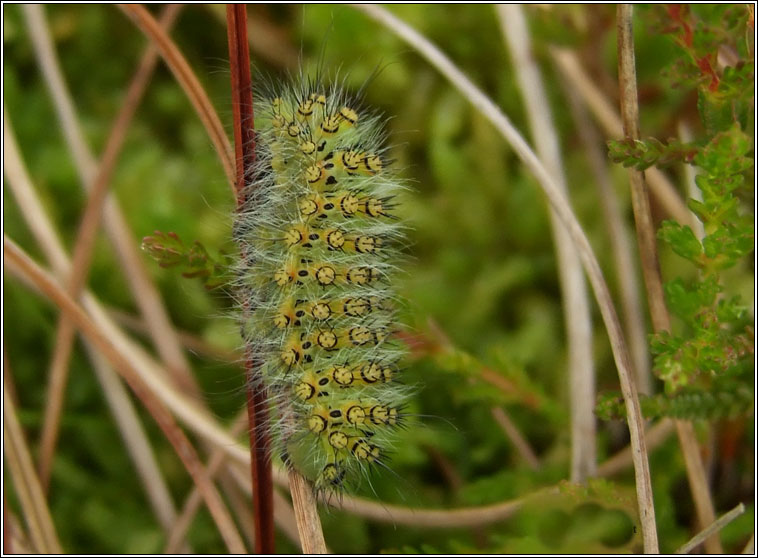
(320, 245)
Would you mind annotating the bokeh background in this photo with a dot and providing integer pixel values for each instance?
(480, 276)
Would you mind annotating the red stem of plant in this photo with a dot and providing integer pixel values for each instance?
(257, 407)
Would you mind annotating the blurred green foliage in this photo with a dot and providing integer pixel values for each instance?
(481, 281)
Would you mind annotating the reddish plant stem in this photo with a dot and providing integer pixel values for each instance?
(257, 409)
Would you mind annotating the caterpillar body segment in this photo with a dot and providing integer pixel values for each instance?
(322, 242)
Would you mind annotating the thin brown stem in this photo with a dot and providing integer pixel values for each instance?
(306, 514)
(189, 82)
(714, 527)
(640, 201)
(194, 500)
(517, 439)
(257, 400)
(650, 267)
(26, 483)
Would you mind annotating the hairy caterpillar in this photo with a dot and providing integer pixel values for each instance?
(320, 244)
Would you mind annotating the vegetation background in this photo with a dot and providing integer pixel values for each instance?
(481, 281)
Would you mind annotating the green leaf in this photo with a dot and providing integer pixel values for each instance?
(610, 406)
(681, 300)
(726, 153)
(169, 251)
(682, 240)
(715, 112)
(642, 154)
(698, 404)
(729, 243)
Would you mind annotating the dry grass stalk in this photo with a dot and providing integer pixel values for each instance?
(650, 268)
(189, 83)
(576, 305)
(714, 527)
(42, 533)
(306, 514)
(619, 237)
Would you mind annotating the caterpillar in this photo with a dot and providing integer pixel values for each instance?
(320, 245)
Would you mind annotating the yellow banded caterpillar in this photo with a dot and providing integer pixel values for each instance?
(321, 245)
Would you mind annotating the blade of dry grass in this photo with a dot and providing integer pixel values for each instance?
(517, 439)
(609, 120)
(121, 406)
(714, 527)
(193, 343)
(650, 269)
(620, 353)
(620, 240)
(750, 545)
(189, 83)
(26, 483)
(306, 514)
(193, 502)
(576, 306)
(446, 519)
(21, 265)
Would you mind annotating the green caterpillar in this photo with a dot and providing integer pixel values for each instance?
(320, 246)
